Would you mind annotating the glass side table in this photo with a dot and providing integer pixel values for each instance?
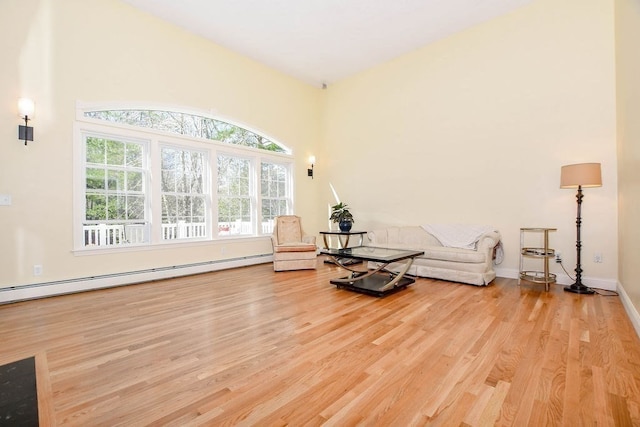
(342, 238)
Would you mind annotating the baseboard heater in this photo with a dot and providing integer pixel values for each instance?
(61, 287)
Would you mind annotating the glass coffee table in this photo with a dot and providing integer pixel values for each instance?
(378, 281)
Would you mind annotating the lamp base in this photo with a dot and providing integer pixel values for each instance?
(579, 288)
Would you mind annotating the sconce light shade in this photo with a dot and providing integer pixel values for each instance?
(26, 110)
(312, 161)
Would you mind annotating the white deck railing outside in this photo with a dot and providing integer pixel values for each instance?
(120, 234)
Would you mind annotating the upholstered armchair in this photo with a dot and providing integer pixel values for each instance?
(292, 248)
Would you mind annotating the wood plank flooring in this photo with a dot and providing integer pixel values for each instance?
(252, 347)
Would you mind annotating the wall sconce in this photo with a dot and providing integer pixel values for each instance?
(312, 160)
(26, 107)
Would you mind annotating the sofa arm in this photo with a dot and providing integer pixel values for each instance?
(488, 241)
(487, 245)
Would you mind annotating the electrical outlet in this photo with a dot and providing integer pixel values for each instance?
(597, 257)
(559, 257)
(37, 270)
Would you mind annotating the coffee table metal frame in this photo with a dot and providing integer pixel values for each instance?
(378, 281)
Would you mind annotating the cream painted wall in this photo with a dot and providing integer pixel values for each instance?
(471, 129)
(475, 128)
(59, 52)
(627, 16)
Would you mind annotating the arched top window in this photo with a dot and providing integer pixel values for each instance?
(158, 176)
(189, 125)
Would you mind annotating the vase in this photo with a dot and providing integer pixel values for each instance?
(345, 226)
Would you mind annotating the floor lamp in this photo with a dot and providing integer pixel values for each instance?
(581, 175)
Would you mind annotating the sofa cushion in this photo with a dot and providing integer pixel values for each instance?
(441, 253)
(413, 236)
(454, 254)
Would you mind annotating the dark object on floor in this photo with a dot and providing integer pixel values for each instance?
(18, 395)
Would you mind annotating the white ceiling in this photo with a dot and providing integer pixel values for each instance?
(323, 41)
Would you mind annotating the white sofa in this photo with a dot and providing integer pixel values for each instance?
(472, 264)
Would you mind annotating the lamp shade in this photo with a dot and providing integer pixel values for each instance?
(26, 107)
(581, 175)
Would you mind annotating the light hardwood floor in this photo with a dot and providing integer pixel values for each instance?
(252, 347)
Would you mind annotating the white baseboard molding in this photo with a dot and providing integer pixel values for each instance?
(563, 279)
(61, 287)
(631, 310)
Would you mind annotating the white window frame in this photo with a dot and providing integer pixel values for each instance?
(155, 140)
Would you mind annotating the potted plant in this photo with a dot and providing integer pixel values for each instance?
(340, 214)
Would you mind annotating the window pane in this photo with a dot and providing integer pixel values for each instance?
(169, 209)
(243, 186)
(197, 184)
(168, 181)
(168, 161)
(199, 205)
(95, 150)
(180, 181)
(96, 207)
(135, 181)
(115, 153)
(188, 124)
(134, 155)
(95, 178)
(115, 180)
(112, 207)
(135, 207)
(120, 211)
